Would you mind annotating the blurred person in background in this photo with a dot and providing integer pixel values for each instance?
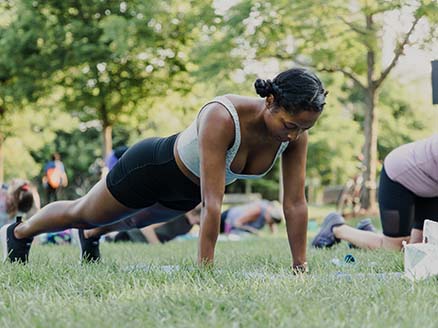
(18, 198)
(408, 195)
(54, 178)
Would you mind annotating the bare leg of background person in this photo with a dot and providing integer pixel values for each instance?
(367, 239)
(149, 233)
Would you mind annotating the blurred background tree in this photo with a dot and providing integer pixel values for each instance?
(80, 77)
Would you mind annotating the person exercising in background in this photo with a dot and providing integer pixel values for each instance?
(408, 195)
(18, 198)
(163, 232)
(250, 218)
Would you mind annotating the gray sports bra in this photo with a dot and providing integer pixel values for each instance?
(188, 146)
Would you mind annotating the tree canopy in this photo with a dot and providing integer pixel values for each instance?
(76, 74)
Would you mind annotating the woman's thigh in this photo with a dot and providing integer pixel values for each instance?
(99, 207)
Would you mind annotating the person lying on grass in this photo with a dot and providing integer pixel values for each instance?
(159, 233)
(252, 217)
(233, 137)
(408, 195)
(246, 218)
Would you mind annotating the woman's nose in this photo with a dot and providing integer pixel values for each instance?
(293, 135)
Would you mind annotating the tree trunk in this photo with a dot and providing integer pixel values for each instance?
(368, 199)
(370, 153)
(107, 140)
(2, 168)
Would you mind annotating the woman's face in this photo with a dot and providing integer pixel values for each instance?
(284, 126)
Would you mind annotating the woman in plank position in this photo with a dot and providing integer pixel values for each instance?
(233, 137)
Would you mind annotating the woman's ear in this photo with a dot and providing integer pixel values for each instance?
(269, 102)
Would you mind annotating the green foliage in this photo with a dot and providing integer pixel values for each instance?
(146, 68)
(404, 117)
(18, 161)
(28, 132)
(334, 146)
(328, 36)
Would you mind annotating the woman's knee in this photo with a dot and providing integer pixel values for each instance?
(98, 207)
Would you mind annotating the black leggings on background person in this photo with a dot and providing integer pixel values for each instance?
(401, 210)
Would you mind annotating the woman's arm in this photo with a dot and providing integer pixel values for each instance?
(294, 200)
(216, 134)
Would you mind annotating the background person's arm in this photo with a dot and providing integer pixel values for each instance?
(216, 133)
(294, 200)
(64, 176)
(149, 233)
(250, 215)
(273, 228)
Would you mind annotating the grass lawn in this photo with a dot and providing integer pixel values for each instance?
(55, 291)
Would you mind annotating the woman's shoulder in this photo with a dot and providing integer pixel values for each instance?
(241, 102)
(224, 110)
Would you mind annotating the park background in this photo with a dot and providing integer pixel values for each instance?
(82, 77)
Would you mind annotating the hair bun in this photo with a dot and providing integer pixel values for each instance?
(263, 87)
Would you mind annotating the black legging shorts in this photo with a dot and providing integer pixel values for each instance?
(401, 210)
(147, 174)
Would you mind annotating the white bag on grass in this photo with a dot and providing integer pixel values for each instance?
(430, 232)
(421, 261)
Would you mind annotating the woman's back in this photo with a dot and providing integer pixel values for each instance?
(415, 166)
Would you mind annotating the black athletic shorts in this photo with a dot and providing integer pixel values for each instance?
(401, 210)
(147, 174)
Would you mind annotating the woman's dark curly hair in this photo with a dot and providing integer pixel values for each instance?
(295, 90)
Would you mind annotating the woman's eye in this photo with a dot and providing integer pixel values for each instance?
(290, 127)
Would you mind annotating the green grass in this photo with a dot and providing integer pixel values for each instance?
(53, 290)
(319, 212)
